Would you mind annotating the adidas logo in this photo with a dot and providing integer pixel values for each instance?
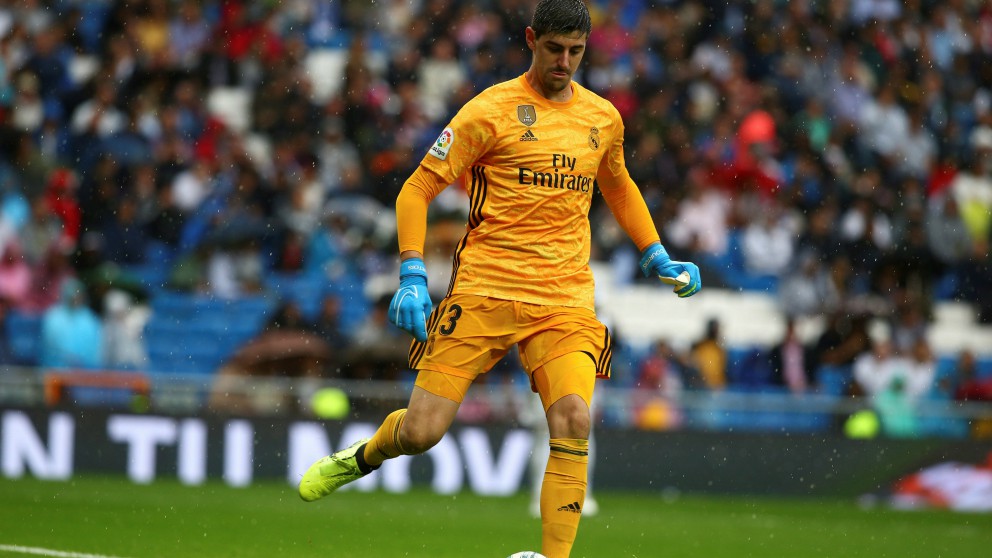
(573, 507)
(528, 136)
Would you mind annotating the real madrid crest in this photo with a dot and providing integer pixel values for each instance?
(594, 138)
(526, 114)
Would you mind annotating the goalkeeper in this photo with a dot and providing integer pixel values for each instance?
(533, 148)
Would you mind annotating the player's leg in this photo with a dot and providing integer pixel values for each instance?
(566, 385)
(538, 456)
(539, 460)
(416, 429)
(590, 506)
(436, 395)
(409, 431)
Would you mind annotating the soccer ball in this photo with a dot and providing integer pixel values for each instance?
(527, 554)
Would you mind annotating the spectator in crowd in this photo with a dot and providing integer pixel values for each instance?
(271, 355)
(330, 247)
(790, 362)
(336, 155)
(98, 192)
(662, 371)
(235, 270)
(709, 357)
(189, 35)
(844, 338)
(41, 233)
(866, 230)
(884, 125)
(99, 117)
(288, 316)
(965, 382)
(702, 223)
(60, 194)
(768, 241)
(917, 152)
(71, 333)
(124, 238)
(28, 106)
(976, 275)
(378, 349)
(191, 186)
(123, 331)
(895, 382)
(877, 369)
(821, 239)
(947, 238)
(972, 190)
(910, 272)
(48, 277)
(834, 104)
(809, 289)
(440, 74)
(908, 326)
(327, 323)
(15, 277)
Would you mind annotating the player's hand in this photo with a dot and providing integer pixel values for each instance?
(684, 276)
(411, 305)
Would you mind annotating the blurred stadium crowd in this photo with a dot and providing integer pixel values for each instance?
(837, 154)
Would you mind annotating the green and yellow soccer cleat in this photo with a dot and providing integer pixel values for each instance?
(330, 473)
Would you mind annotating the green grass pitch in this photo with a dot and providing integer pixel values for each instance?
(112, 517)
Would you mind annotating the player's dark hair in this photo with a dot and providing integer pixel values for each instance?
(561, 17)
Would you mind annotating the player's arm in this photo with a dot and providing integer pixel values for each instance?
(628, 207)
(631, 213)
(469, 135)
(411, 305)
(411, 209)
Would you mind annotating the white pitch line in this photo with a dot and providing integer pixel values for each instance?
(49, 552)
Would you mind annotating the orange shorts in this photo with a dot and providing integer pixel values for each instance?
(468, 334)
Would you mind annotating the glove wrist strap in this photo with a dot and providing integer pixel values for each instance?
(654, 253)
(413, 267)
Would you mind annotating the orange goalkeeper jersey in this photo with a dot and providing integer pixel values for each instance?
(531, 164)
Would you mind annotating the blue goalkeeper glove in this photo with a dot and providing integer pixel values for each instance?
(411, 305)
(684, 276)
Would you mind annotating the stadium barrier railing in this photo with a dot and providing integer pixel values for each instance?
(506, 402)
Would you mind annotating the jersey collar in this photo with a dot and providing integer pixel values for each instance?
(542, 100)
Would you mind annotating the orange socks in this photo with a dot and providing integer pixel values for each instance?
(385, 444)
(562, 494)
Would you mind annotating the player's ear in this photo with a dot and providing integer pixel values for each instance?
(531, 37)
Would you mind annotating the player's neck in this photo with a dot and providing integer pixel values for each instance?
(535, 82)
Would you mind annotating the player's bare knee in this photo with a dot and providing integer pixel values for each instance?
(416, 439)
(569, 418)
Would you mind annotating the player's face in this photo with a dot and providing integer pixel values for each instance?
(556, 57)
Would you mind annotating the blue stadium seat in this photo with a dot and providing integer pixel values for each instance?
(171, 304)
(946, 286)
(309, 290)
(984, 367)
(24, 335)
(197, 333)
(834, 380)
(942, 427)
(748, 368)
(92, 18)
(733, 271)
(152, 276)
